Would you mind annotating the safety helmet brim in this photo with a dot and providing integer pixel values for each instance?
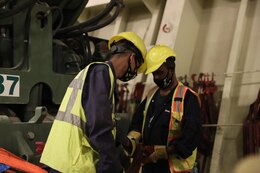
(152, 69)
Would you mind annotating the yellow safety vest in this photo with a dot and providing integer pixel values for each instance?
(176, 163)
(67, 148)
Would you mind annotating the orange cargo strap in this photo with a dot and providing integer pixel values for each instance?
(17, 163)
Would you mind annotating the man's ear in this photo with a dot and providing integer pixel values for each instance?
(130, 55)
(133, 56)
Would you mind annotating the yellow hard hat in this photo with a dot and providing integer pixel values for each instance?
(156, 56)
(136, 40)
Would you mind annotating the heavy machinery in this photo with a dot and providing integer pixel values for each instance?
(42, 47)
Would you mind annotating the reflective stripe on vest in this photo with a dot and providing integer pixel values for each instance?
(148, 100)
(77, 84)
(66, 116)
(176, 109)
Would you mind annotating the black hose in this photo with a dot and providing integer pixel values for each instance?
(95, 27)
(60, 21)
(95, 19)
(16, 9)
(89, 56)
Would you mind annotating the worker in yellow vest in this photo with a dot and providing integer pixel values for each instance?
(167, 122)
(82, 137)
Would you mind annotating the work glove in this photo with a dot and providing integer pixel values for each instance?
(129, 146)
(130, 143)
(152, 153)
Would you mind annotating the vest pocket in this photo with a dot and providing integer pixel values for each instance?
(176, 120)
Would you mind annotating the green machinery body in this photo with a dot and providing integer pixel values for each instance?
(36, 65)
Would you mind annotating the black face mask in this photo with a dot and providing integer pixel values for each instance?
(165, 82)
(128, 74)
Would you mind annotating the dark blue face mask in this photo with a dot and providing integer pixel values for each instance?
(165, 82)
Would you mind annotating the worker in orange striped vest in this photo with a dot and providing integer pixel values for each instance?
(167, 122)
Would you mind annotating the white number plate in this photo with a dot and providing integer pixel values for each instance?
(9, 85)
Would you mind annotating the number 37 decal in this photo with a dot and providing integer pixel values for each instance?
(9, 85)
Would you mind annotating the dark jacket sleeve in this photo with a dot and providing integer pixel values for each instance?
(98, 110)
(191, 127)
